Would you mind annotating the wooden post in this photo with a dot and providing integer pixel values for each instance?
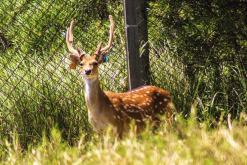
(132, 44)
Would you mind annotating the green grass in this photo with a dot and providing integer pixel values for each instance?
(186, 142)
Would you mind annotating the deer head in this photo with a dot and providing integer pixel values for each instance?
(89, 64)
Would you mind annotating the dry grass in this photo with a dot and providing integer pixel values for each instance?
(187, 142)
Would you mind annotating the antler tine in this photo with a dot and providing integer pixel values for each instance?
(111, 34)
(69, 39)
(99, 49)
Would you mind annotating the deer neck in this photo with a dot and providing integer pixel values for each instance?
(94, 95)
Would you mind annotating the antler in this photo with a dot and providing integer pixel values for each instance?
(69, 40)
(110, 38)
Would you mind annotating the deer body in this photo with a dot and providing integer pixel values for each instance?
(117, 110)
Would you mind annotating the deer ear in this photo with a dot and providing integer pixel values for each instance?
(103, 58)
(75, 60)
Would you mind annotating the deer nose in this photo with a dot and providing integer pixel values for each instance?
(87, 72)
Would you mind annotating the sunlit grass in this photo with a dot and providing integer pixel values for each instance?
(186, 142)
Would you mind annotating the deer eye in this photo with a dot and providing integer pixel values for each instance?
(81, 64)
(95, 63)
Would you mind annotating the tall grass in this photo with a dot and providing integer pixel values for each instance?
(187, 142)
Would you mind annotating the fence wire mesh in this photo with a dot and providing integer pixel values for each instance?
(37, 89)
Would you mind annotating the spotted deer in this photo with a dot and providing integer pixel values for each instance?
(118, 110)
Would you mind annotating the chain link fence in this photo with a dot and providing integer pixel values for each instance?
(38, 91)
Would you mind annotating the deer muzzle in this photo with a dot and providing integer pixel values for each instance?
(87, 71)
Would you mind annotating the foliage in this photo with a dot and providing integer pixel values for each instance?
(208, 38)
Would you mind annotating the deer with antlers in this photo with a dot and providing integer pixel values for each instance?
(139, 106)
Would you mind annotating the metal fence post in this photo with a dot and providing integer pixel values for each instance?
(143, 40)
(132, 44)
